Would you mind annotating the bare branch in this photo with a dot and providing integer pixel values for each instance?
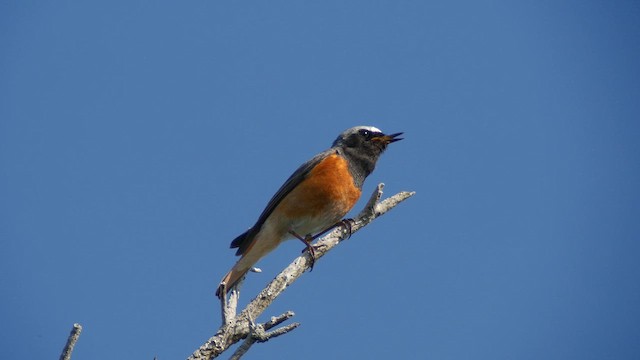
(71, 342)
(240, 326)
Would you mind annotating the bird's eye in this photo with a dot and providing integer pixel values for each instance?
(365, 133)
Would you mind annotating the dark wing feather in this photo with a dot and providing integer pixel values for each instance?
(243, 241)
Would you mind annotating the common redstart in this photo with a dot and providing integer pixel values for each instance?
(313, 200)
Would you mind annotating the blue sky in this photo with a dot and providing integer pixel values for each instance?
(137, 139)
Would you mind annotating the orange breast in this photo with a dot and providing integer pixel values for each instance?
(324, 197)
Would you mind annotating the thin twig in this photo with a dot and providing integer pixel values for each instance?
(277, 320)
(279, 331)
(224, 305)
(71, 342)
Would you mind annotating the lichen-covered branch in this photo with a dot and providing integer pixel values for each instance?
(241, 326)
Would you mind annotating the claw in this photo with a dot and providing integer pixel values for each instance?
(309, 247)
(348, 226)
(312, 252)
(346, 223)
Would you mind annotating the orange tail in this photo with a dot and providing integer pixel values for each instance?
(230, 280)
(252, 249)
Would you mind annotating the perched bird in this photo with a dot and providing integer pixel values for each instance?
(313, 200)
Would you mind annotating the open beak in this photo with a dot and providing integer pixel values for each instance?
(388, 139)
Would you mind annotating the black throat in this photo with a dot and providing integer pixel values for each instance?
(360, 165)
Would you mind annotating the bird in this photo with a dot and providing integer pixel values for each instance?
(313, 200)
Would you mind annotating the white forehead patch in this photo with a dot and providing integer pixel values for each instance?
(370, 128)
(354, 130)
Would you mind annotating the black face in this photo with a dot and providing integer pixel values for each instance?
(368, 139)
(362, 145)
(368, 134)
(365, 138)
(361, 137)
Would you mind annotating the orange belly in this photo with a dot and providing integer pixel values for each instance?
(321, 200)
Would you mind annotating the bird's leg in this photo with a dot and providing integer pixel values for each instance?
(307, 242)
(347, 223)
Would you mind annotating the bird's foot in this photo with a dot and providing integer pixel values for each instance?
(308, 247)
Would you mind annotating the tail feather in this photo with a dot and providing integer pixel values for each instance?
(252, 246)
(243, 241)
(230, 280)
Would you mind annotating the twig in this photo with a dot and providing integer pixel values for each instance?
(228, 307)
(224, 305)
(279, 331)
(277, 320)
(71, 342)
